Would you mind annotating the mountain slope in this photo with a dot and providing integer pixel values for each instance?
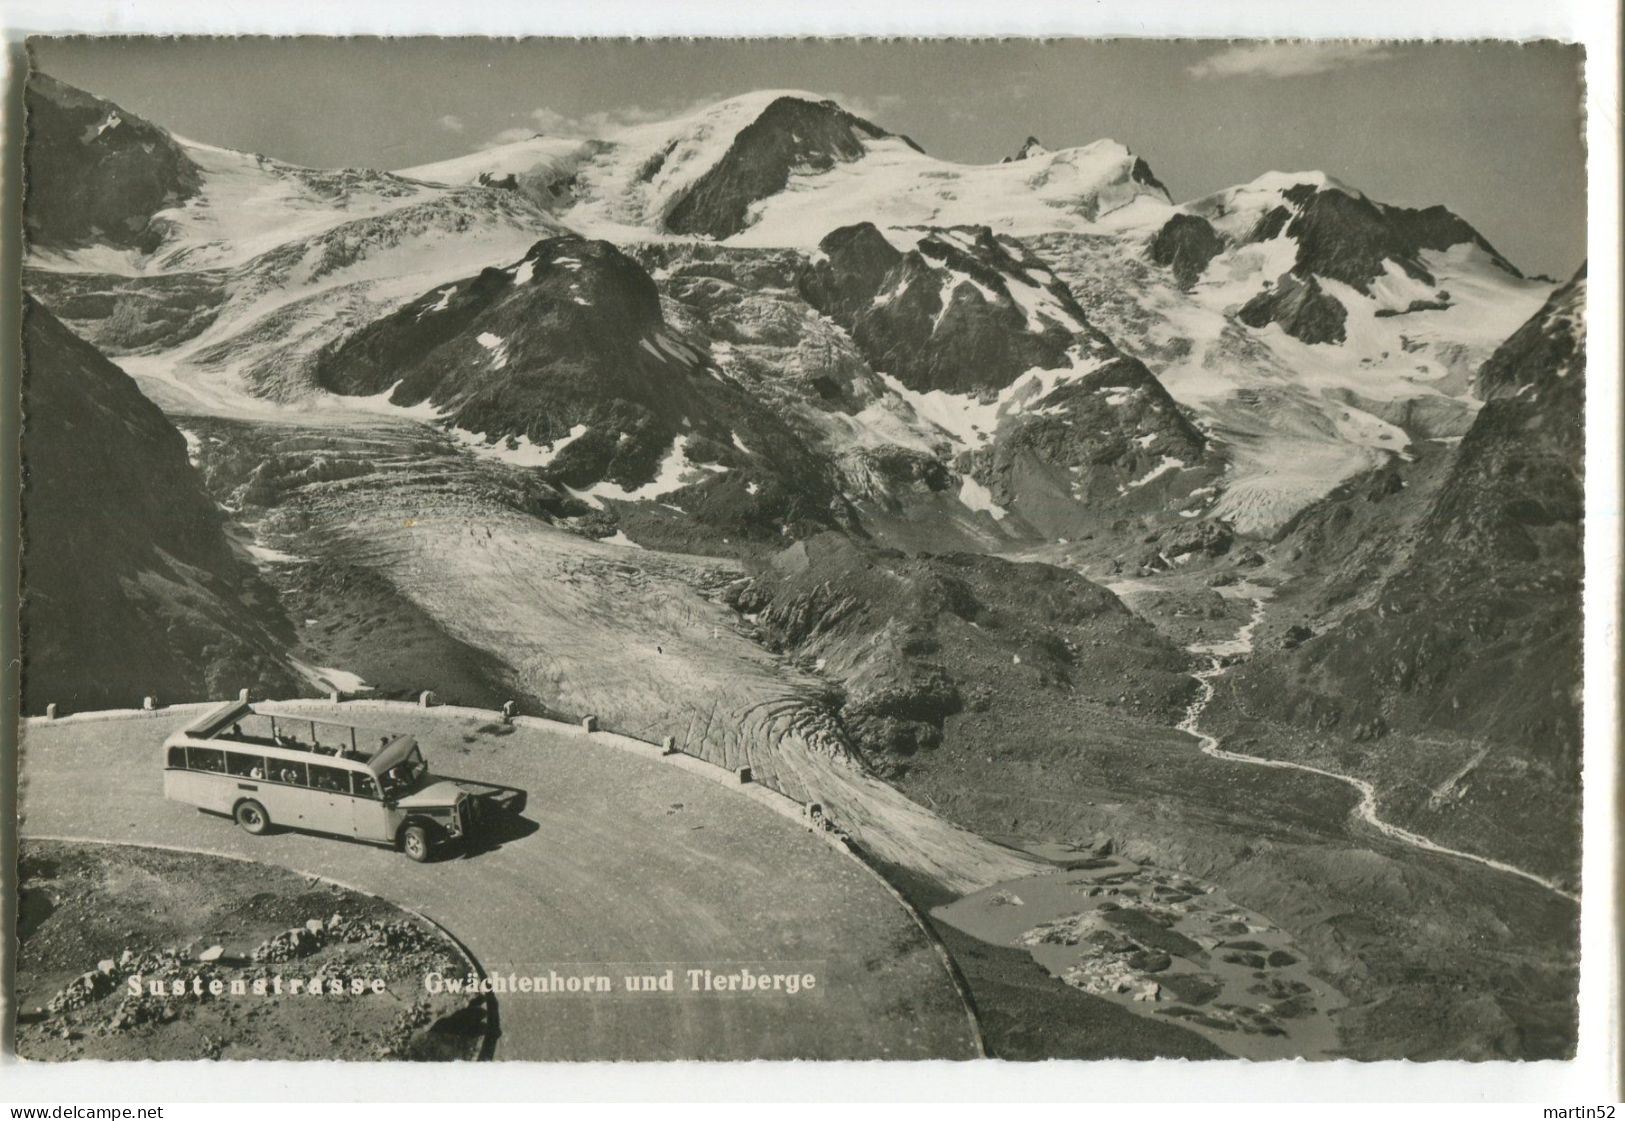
(130, 585)
(1478, 636)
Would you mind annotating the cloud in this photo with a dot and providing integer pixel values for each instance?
(507, 136)
(870, 109)
(1286, 59)
(551, 122)
(452, 124)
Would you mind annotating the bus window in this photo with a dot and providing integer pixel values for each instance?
(205, 759)
(364, 786)
(245, 766)
(177, 758)
(329, 778)
(286, 770)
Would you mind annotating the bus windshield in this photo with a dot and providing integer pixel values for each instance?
(405, 776)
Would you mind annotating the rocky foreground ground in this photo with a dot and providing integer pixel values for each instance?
(99, 922)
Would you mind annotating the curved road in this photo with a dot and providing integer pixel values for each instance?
(1367, 809)
(622, 864)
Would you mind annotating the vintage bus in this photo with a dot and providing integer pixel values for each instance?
(263, 765)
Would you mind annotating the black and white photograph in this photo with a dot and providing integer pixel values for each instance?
(567, 550)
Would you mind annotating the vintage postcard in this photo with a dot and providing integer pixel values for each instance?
(558, 549)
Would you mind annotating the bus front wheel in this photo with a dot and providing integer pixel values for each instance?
(252, 817)
(415, 843)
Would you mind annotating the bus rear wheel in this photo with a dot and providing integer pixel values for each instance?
(252, 817)
(415, 843)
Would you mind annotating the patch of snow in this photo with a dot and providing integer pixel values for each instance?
(1164, 465)
(343, 680)
(516, 451)
(380, 403)
(497, 345)
(676, 472)
(194, 444)
(619, 537)
(977, 497)
(440, 304)
(271, 556)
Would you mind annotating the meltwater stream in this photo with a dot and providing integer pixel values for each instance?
(1241, 644)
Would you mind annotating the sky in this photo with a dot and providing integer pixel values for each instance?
(1491, 130)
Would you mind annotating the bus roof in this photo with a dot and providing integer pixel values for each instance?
(390, 754)
(208, 727)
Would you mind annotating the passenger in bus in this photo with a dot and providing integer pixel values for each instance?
(255, 772)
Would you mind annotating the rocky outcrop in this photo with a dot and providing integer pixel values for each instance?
(1185, 244)
(1029, 148)
(96, 173)
(792, 134)
(1302, 308)
(130, 585)
(944, 315)
(1345, 236)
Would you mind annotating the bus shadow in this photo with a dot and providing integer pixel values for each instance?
(502, 830)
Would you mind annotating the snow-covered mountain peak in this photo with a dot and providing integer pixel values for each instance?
(782, 168)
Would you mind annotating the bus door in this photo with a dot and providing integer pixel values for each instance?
(367, 813)
(332, 807)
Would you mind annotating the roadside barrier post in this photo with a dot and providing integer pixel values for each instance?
(589, 723)
(149, 703)
(426, 699)
(50, 711)
(668, 745)
(743, 774)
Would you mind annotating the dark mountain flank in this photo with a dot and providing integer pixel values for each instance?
(790, 133)
(1185, 244)
(96, 173)
(130, 585)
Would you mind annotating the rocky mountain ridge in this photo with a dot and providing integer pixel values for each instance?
(131, 587)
